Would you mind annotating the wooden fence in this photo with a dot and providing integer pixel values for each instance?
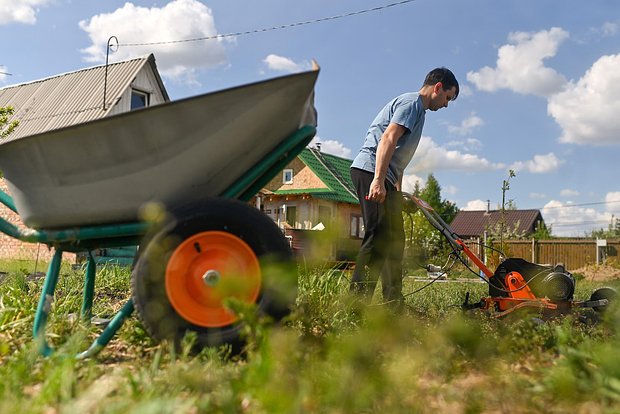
(574, 253)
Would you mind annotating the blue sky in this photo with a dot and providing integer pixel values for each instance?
(540, 79)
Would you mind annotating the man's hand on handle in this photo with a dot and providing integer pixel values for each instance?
(377, 191)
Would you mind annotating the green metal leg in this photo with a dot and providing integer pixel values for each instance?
(89, 289)
(109, 332)
(45, 303)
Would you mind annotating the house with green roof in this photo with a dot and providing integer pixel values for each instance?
(314, 194)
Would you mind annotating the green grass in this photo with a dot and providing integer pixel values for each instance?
(332, 356)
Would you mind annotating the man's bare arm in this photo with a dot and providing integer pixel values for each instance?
(385, 151)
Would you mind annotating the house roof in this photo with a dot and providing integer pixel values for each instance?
(474, 223)
(297, 191)
(71, 98)
(333, 171)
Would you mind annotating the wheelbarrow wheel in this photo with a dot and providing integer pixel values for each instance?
(212, 256)
(605, 293)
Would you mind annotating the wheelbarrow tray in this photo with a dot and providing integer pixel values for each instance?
(104, 171)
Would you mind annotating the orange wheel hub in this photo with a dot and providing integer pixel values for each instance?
(208, 268)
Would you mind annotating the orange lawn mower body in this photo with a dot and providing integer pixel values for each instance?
(516, 283)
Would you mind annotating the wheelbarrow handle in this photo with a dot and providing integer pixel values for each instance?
(7, 200)
(11, 230)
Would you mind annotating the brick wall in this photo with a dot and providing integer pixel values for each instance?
(11, 248)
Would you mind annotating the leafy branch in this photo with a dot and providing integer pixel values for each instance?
(502, 220)
(7, 126)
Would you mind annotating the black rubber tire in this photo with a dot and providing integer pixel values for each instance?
(605, 293)
(279, 271)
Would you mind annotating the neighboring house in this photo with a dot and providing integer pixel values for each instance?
(313, 197)
(74, 98)
(473, 224)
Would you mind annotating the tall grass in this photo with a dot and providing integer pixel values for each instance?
(332, 355)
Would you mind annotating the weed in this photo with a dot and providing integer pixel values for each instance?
(332, 355)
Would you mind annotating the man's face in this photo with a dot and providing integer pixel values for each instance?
(440, 98)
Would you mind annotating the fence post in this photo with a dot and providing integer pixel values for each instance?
(533, 250)
(484, 245)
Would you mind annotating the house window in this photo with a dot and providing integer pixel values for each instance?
(357, 226)
(325, 215)
(287, 176)
(291, 215)
(139, 99)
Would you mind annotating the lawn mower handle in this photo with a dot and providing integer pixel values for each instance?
(413, 203)
(432, 217)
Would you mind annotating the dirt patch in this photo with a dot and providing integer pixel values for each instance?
(598, 273)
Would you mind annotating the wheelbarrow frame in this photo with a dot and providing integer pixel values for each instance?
(87, 238)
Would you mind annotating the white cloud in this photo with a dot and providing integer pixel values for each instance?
(568, 220)
(284, 64)
(465, 90)
(470, 144)
(409, 181)
(587, 110)
(430, 157)
(22, 11)
(467, 125)
(538, 195)
(610, 28)
(475, 205)
(331, 146)
(473, 143)
(179, 19)
(520, 65)
(450, 189)
(3, 73)
(613, 203)
(540, 164)
(567, 192)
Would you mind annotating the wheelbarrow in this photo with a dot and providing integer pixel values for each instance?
(197, 162)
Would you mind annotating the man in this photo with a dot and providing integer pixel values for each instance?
(377, 173)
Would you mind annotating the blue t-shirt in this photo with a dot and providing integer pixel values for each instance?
(406, 110)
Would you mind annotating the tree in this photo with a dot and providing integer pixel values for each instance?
(416, 189)
(542, 231)
(500, 230)
(612, 232)
(510, 205)
(7, 126)
(432, 195)
(502, 220)
(424, 241)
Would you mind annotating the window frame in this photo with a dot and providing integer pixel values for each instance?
(146, 95)
(358, 231)
(284, 173)
(291, 217)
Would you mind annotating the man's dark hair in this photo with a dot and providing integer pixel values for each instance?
(445, 76)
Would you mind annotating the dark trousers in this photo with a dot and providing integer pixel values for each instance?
(381, 253)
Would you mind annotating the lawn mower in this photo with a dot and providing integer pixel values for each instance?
(516, 283)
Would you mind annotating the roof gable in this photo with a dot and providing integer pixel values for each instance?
(333, 171)
(72, 98)
(474, 223)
